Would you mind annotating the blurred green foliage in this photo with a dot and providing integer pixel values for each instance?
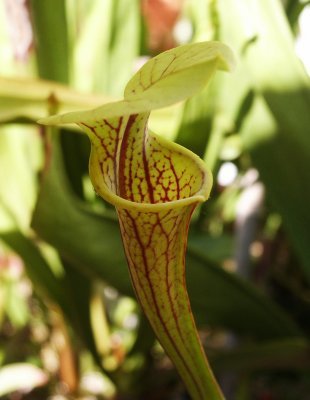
(248, 267)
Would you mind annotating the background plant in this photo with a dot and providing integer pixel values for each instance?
(69, 295)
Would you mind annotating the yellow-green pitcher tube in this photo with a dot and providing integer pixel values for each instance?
(155, 186)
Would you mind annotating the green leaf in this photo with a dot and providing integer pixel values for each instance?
(51, 38)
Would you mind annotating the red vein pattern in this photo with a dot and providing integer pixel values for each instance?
(136, 170)
(155, 248)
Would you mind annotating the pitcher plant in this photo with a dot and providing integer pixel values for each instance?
(155, 185)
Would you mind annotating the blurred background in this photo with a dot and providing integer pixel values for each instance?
(70, 327)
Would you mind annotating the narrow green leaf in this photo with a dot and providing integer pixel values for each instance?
(51, 39)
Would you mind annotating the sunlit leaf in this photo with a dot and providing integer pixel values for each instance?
(275, 131)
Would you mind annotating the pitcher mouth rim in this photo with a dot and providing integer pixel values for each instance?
(121, 203)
